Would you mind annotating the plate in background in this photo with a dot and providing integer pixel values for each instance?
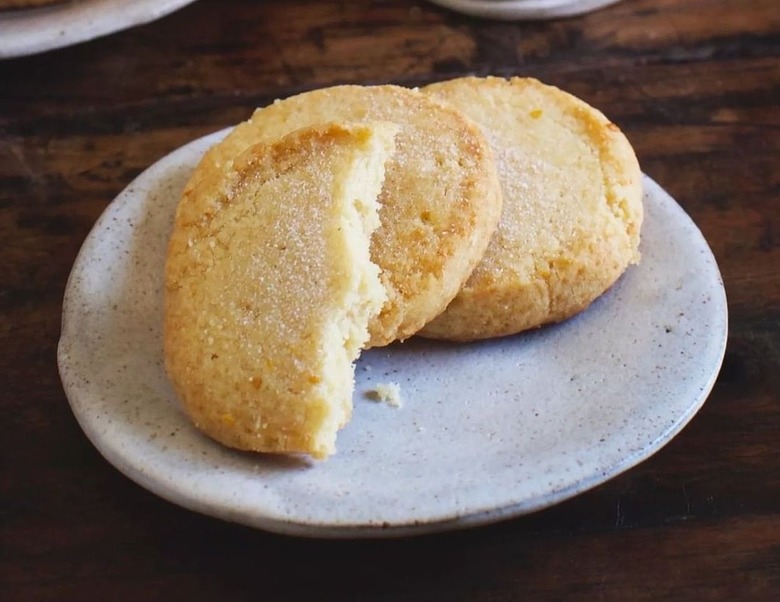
(510, 10)
(34, 30)
(487, 430)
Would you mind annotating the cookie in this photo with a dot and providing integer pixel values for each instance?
(572, 209)
(270, 287)
(440, 202)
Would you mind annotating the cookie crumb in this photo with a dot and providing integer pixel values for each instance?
(389, 393)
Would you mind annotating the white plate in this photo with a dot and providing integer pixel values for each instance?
(30, 31)
(510, 10)
(487, 431)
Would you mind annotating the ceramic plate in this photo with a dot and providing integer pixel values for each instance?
(31, 31)
(523, 9)
(487, 430)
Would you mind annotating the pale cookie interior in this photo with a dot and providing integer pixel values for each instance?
(572, 208)
(270, 288)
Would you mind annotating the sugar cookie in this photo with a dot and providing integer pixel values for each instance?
(270, 287)
(572, 209)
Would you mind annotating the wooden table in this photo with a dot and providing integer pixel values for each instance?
(695, 84)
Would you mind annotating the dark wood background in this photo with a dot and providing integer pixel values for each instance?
(695, 84)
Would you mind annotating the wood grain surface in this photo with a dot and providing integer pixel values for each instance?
(695, 84)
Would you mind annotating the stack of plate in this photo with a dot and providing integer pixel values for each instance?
(523, 9)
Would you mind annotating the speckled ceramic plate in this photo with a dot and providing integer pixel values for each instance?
(487, 431)
(510, 10)
(34, 30)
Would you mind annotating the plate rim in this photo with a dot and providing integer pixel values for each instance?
(532, 10)
(26, 32)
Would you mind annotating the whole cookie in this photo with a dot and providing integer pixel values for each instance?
(572, 209)
(269, 288)
(440, 202)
